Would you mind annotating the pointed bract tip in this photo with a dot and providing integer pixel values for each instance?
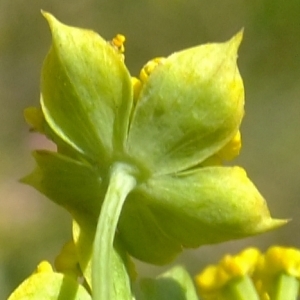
(235, 42)
(272, 224)
(46, 15)
(238, 37)
(50, 19)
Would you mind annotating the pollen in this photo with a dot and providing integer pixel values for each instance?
(118, 43)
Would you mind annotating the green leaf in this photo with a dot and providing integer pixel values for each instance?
(50, 286)
(83, 234)
(73, 184)
(86, 92)
(203, 206)
(176, 284)
(190, 107)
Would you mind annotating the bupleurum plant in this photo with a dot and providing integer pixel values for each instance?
(139, 164)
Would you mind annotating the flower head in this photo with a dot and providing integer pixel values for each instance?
(253, 275)
(169, 128)
(277, 271)
(214, 280)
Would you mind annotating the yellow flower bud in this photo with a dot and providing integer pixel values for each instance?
(118, 42)
(137, 86)
(149, 67)
(232, 148)
(67, 262)
(43, 267)
(213, 281)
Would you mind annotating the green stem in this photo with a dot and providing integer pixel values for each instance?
(286, 287)
(120, 184)
(241, 289)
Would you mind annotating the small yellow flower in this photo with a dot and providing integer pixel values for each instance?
(118, 42)
(212, 281)
(43, 267)
(149, 67)
(242, 264)
(280, 259)
(67, 261)
(228, 152)
(273, 275)
(232, 149)
(277, 261)
(137, 86)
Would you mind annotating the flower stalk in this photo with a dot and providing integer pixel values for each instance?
(120, 184)
(286, 287)
(241, 289)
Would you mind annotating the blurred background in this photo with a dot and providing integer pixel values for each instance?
(32, 228)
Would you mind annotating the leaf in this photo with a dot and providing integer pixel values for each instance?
(86, 92)
(50, 286)
(175, 284)
(190, 107)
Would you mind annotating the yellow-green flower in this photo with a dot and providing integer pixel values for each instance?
(156, 142)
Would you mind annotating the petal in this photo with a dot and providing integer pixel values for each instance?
(70, 183)
(86, 91)
(208, 205)
(190, 107)
(49, 286)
